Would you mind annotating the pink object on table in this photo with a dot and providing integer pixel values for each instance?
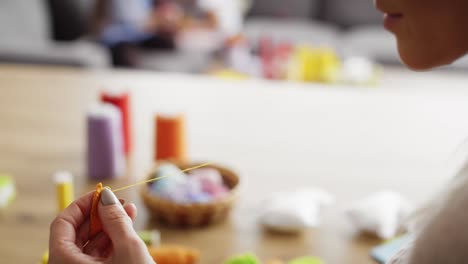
(266, 53)
(211, 181)
(209, 174)
(220, 191)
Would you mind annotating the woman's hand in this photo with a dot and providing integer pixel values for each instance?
(118, 243)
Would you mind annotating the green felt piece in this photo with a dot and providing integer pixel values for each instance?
(306, 260)
(146, 237)
(150, 237)
(5, 181)
(243, 259)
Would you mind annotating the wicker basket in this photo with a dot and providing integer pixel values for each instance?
(195, 214)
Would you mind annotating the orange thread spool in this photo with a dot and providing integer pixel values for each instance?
(170, 138)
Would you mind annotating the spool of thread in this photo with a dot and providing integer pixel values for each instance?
(170, 138)
(64, 188)
(122, 102)
(45, 258)
(105, 154)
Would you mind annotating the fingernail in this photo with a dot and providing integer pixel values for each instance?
(108, 197)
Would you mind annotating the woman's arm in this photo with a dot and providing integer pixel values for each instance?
(443, 237)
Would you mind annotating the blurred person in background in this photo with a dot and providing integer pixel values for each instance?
(127, 25)
(124, 25)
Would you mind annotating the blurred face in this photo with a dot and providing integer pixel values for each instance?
(429, 32)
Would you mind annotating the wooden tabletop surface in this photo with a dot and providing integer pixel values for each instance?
(348, 141)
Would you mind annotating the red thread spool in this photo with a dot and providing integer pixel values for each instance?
(170, 138)
(122, 102)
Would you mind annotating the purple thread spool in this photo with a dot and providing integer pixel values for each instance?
(105, 154)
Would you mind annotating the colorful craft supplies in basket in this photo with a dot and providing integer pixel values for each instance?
(201, 197)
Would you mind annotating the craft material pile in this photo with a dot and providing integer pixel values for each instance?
(282, 60)
(109, 144)
(198, 186)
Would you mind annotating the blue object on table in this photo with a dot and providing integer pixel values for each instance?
(383, 253)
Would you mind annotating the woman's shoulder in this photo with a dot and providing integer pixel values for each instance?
(441, 235)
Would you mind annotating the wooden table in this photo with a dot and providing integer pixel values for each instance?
(349, 141)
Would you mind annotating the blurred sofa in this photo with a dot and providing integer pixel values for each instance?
(27, 35)
(52, 32)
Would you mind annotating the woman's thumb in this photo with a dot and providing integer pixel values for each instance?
(115, 221)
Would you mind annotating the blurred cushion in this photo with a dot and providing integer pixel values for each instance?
(350, 13)
(292, 30)
(78, 53)
(24, 20)
(187, 62)
(25, 38)
(285, 8)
